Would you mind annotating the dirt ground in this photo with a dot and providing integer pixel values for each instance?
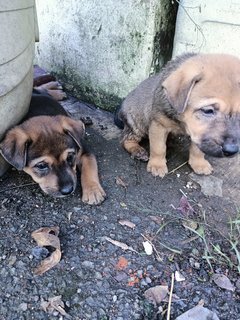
(185, 220)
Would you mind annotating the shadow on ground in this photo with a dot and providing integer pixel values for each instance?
(88, 277)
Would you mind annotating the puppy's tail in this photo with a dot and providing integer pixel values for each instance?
(118, 122)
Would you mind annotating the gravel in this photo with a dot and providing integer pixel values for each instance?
(87, 278)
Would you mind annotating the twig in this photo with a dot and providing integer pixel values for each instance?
(20, 186)
(170, 298)
(180, 166)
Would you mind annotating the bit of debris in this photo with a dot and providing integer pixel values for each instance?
(147, 247)
(55, 303)
(120, 182)
(122, 263)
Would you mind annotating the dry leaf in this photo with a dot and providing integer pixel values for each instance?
(127, 223)
(120, 182)
(157, 219)
(122, 263)
(54, 303)
(184, 206)
(122, 245)
(47, 237)
(190, 224)
(156, 294)
(147, 247)
(222, 281)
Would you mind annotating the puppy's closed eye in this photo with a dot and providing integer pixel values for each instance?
(41, 168)
(71, 157)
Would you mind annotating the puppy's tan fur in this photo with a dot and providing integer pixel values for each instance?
(196, 95)
(50, 150)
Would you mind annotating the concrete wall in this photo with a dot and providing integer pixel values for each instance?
(102, 49)
(208, 27)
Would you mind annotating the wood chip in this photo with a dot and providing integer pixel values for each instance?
(127, 223)
(119, 244)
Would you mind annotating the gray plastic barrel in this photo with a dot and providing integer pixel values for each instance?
(18, 32)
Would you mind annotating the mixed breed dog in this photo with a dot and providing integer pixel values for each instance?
(195, 94)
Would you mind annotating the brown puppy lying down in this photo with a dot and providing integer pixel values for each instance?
(48, 146)
(196, 95)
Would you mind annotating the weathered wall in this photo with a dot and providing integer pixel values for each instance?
(103, 49)
(208, 27)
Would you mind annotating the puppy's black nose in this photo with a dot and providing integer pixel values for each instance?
(229, 149)
(67, 189)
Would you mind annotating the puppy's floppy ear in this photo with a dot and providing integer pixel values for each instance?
(14, 147)
(179, 85)
(74, 128)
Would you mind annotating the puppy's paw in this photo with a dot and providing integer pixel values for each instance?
(93, 194)
(140, 154)
(201, 166)
(157, 168)
(57, 94)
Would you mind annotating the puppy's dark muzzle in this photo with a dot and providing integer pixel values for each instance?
(230, 149)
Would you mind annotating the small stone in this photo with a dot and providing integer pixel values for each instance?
(139, 273)
(39, 252)
(143, 283)
(23, 306)
(12, 260)
(98, 275)
(88, 264)
(148, 280)
(114, 298)
(179, 277)
(91, 302)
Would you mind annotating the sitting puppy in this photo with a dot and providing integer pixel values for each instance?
(48, 146)
(196, 95)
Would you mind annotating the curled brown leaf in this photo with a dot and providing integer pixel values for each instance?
(47, 236)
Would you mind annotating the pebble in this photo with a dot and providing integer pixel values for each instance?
(23, 306)
(40, 252)
(98, 275)
(148, 280)
(91, 302)
(143, 283)
(88, 264)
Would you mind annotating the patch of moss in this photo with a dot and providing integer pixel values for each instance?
(85, 91)
(165, 28)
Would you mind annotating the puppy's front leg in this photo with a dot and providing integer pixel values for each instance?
(157, 161)
(92, 192)
(197, 161)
